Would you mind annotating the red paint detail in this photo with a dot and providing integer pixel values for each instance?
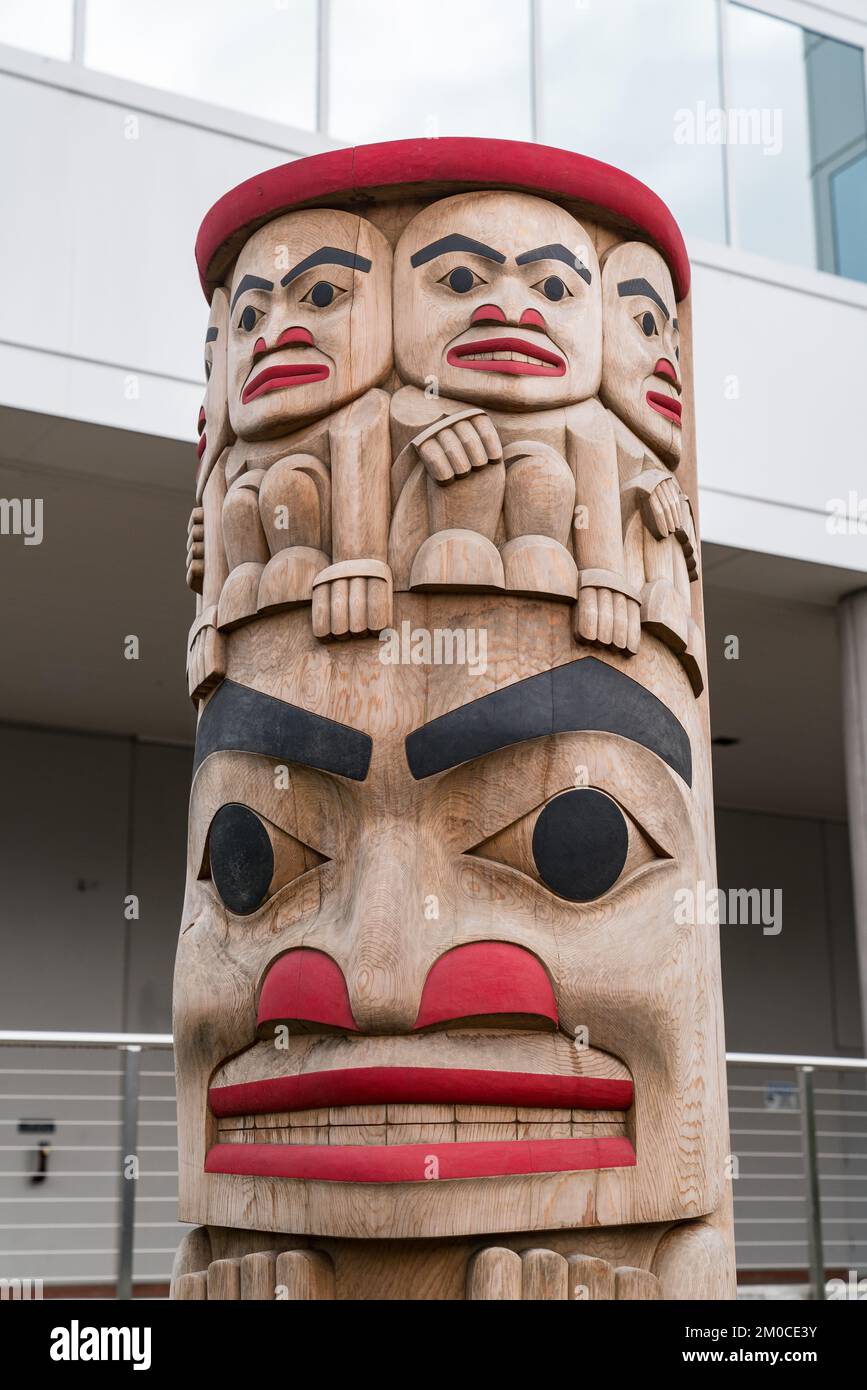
(201, 446)
(459, 162)
(553, 363)
(665, 405)
(408, 1162)
(201, 419)
(259, 348)
(418, 1086)
(667, 369)
(282, 376)
(532, 316)
(488, 313)
(306, 986)
(295, 335)
(483, 979)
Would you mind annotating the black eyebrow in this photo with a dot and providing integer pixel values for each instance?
(327, 255)
(238, 719)
(212, 335)
(583, 696)
(455, 242)
(556, 253)
(630, 287)
(250, 282)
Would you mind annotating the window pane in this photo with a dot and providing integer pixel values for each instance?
(453, 68)
(43, 26)
(799, 177)
(632, 83)
(257, 56)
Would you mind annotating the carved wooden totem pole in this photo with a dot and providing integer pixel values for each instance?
(445, 1025)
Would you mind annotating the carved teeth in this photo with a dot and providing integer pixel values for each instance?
(418, 1124)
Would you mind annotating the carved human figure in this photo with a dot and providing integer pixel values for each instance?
(204, 535)
(506, 469)
(642, 386)
(306, 511)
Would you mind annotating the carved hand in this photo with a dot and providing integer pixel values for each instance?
(351, 599)
(457, 444)
(196, 550)
(661, 508)
(498, 1273)
(609, 617)
(265, 1275)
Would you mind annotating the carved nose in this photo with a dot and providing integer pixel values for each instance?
(385, 932)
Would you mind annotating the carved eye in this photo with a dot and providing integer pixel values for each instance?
(249, 318)
(323, 294)
(677, 353)
(647, 323)
(462, 280)
(580, 844)
(207, 371)
(249, 860)
(553, 288)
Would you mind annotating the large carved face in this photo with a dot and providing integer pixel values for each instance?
(497, 301)
(430, 918)
(310, 320)
(215, 433)
(641, 375)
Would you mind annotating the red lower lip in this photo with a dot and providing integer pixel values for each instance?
(546, 364)
(201, 446)
(412, 1162)
(282, 377)
(665, 405)
(419, 1085)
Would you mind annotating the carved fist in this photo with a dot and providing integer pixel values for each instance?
(456, 445)
(661, 509)
(265, 1275)
(609, 617)
(196, 550)
(351, 599)
(498, 1273)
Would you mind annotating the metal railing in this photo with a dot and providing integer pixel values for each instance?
(96, 1146)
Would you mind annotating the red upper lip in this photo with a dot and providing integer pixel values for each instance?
(546, 364)
(283, 375)
(419, 1085)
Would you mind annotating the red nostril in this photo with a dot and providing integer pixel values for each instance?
(532, 316)
(201, 419)
(666, 369)
(488, 313)
(306, 986)
(259, 347)
(486, 979)
(295, 335)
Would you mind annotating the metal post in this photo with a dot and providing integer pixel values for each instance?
(811, 1162)
(128, 1145)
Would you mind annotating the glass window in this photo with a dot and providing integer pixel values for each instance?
(257, 56)
(43, 26)
(453, 68)
(799, 163)
(636, 84)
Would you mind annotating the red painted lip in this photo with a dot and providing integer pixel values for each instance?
(665, 405)
(412, 1162)
(201, 446)
(282, 377)
(418, 1085)
(546, 364)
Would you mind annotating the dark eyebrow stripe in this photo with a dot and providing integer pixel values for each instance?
(250, 282)
(556, 253)
(212, 335)
(455, 242)
(327, 255)
(583, 696)
(630, 287)
(238, 719)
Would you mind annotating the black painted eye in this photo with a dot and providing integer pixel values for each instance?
(322, 294)
(462, 280)
(553, 288)
(207, 371)
(647, 323)
(249, 318)
(580, 844)
(241, 858)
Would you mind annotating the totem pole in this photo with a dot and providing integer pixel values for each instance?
(445, 1026)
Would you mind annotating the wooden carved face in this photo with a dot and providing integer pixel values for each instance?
(213, 425)
(641, 374)
(310, 320)
(425, 906)
(497, 302)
